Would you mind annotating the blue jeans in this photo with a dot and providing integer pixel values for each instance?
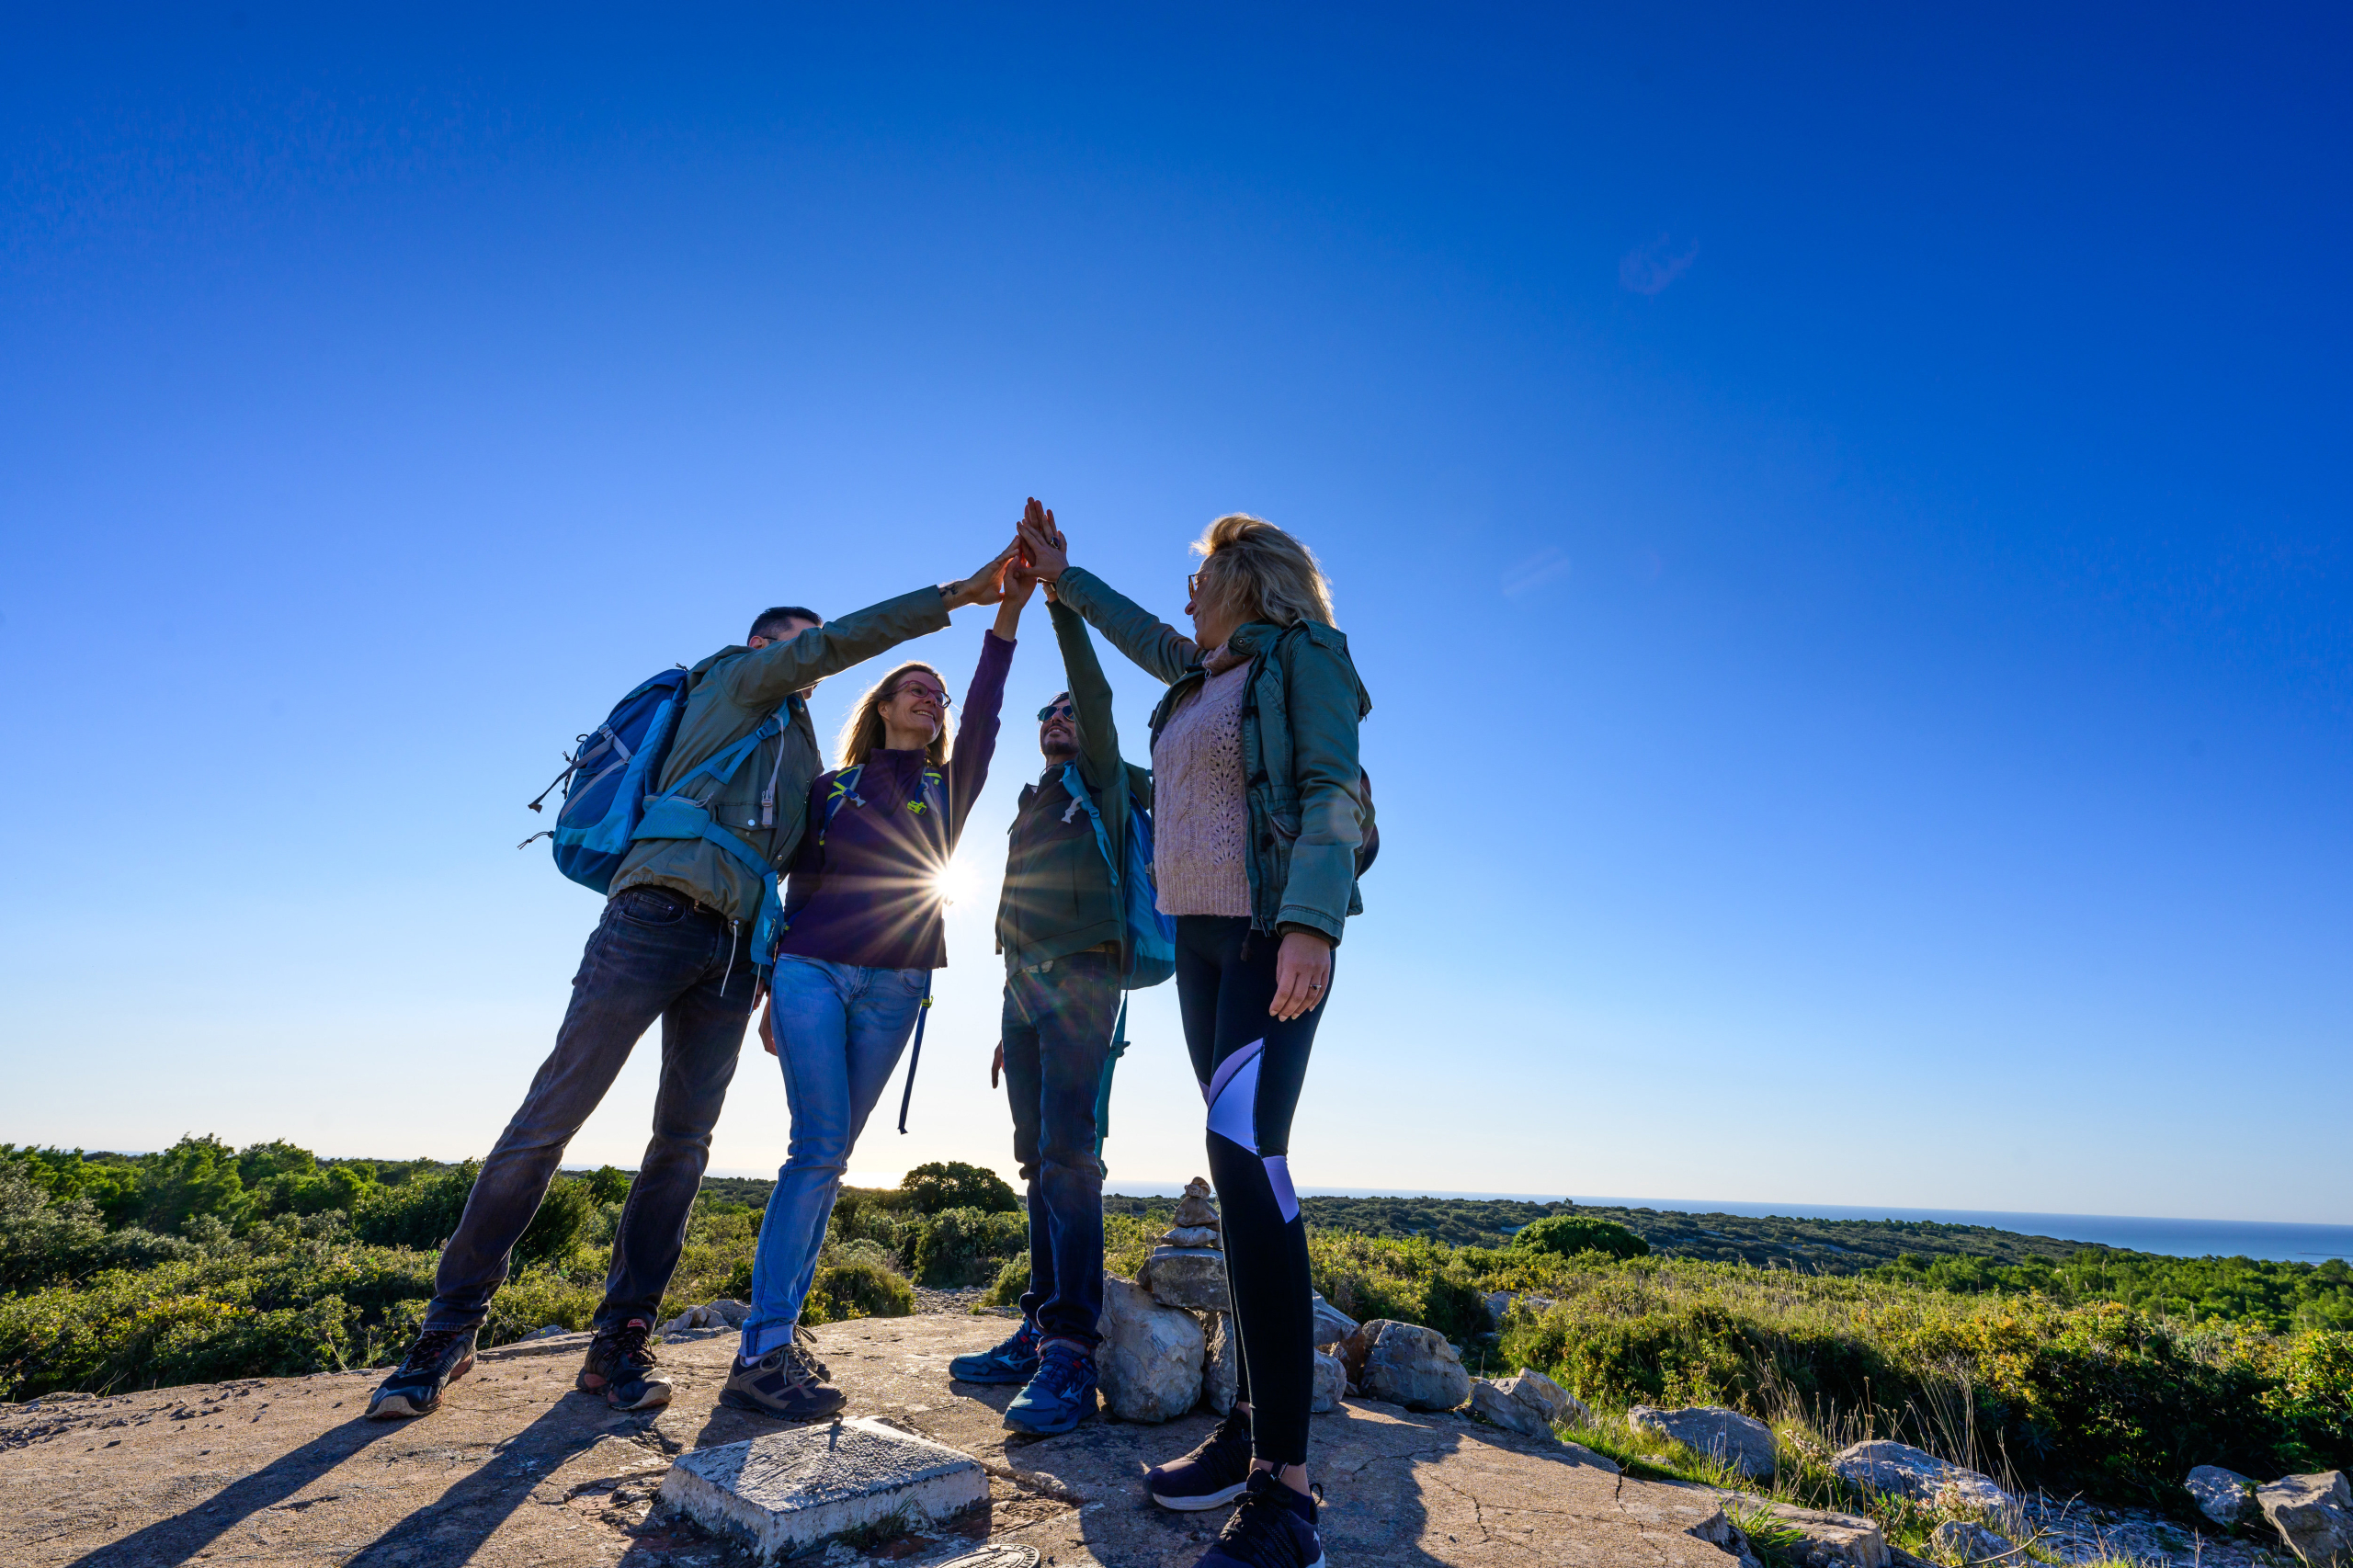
(839, 1029)
(1057, 1035)
(654, 955)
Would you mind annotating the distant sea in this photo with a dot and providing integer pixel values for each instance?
(2177, 1238)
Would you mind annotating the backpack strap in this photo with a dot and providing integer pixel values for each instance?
(1077, 788)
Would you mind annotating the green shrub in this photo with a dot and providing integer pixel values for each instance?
(48, 1241)
(1012, 1284)
(421, 1212)
(1569, 1234)
(607, 1184)
(568, 1206)
(952, 1184)
(964, 1246)
(858, 1287)
(195, 1178)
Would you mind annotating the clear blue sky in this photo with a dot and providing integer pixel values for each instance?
(1843, 515)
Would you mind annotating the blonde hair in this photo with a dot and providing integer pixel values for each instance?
(863, 732)
(1260, 572)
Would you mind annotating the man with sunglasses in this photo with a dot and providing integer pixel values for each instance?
(1061, 926)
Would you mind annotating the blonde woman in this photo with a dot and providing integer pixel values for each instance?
(1259, 815)
(863, 934)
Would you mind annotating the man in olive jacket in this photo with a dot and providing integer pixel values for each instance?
(673, 946)
(1062, 928)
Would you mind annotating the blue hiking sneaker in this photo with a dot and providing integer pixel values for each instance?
(1060, 1397)
(1274, 1527)
(1015, 1361)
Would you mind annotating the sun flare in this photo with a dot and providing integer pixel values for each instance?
(955, 881)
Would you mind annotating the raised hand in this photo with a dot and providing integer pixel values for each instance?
(985, 586)
(1043, 544)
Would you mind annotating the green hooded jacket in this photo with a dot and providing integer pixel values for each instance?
(733, 693)
(1300, 713)
(1058, 896)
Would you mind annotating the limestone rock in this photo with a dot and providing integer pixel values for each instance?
(1192, 1277)
(2222, 1496)
(1846, 1540)
(1332, 1324)
(1972, 1543)
(1914, 1473)
(551, 1331)
(1190, 1236)
(724, 1312)
(1150, 1360)
(2314, 1514)
(1330, 1383)
(1742, 1441)
(1220, 1363)
(1527, 1402)
(1500, 1302)
(1195, 1207)
(1406, 1364)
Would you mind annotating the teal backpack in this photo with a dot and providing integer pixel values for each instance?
(1152, 936)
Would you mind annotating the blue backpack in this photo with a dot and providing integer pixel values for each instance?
(1152, 936)
(607, 803)
(606, 779)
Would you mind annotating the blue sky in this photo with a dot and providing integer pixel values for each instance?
(1841, 513)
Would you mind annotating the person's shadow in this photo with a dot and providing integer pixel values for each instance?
(456, 1524)
(181, 1537)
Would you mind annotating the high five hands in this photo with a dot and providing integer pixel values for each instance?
(985, 586)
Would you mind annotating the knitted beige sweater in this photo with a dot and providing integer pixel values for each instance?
(1200, 823)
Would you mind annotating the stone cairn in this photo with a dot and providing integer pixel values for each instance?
(1186, 1270)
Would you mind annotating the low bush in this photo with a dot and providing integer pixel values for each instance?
(857, 1287)
(966, 1247)
(1569, 1234)
(1012, 1284)
(952, 1184)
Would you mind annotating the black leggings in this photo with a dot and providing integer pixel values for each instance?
(1251, 1067)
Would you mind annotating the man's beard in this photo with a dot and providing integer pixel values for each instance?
(1059, 751)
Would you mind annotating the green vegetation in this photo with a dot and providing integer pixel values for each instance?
(1565, 1235)
(203, 1262)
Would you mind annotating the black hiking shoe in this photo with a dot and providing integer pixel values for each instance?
(788, 1382)
(620, 1366)
(439, 1358)
(1275, 1528)
(1210, 1476)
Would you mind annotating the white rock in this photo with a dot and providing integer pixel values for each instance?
(550, 1332)
(1332, 1324)
(2314, 1514)
(1150, 1360)
(1406, 1364)
(1330, 1383)
(1192, 1278)
(1220, 1362)
(1190, 1236)
(2222, 1496)
(1914, 1473)
(1742, 1441)
(785, 1491)
(1493, 1402)
(1972, 1543)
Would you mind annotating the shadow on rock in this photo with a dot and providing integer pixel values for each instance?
(453, 1526)
(181, 1537)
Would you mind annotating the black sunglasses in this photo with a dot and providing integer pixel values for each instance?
(1050, 708)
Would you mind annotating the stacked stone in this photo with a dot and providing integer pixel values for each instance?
(1187, 1271)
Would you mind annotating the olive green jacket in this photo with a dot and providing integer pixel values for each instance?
(766, 800)
(1300, 713)
(1058, 897)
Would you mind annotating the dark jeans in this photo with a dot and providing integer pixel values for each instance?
(1252, 1068)
(654, 955)
(1057, 1062)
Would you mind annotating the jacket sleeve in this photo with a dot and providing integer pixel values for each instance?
(968, 764)
(1090, 694)
(766, 677)
(1325, 708)
(1158, 647)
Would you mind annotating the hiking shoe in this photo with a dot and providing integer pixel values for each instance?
(1062, 1395)
(439, 1358)
(620, 1366)
(788, 1382)
(1211, 1476)
(1275, 1528)
(1015, 1361)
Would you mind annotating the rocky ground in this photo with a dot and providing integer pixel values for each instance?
(519, 1468)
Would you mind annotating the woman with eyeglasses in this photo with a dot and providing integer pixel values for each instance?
(1260, 815)
(853, 972)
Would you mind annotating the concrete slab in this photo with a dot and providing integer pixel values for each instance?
(783, 1491)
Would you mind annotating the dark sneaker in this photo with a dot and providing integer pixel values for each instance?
(439, 1358)
(1275, 1528)
(620, 1366)
(788, 1382)
(1062, 1395)
(1211, 1476)
(1015, 1361)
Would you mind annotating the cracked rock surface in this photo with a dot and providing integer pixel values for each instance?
(517, 1468)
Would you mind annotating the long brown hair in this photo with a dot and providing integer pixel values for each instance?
(1260, 572)
(863, 732)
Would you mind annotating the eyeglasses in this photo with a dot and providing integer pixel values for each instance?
(912, 690)
(1192, 585)
(1052, 709)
